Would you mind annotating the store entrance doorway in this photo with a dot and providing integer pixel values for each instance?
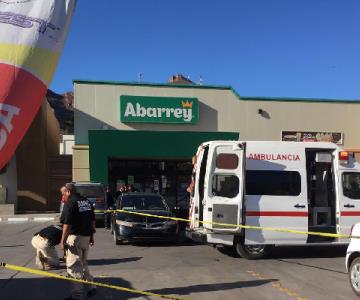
(170, 178)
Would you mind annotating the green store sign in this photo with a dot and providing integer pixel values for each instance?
(169, 110)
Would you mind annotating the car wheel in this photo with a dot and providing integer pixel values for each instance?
(252, 251)
(354, 275)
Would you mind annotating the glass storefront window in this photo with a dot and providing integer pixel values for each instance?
(168, 178)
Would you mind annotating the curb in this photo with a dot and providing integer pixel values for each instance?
(27, 219)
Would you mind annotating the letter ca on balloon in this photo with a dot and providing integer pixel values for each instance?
(7, 112)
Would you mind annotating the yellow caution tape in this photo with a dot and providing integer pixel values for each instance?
(57, 276)
(334, 235)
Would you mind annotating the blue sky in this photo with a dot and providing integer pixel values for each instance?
(274, 48)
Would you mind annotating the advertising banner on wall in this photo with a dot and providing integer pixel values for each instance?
(308, 136)
(32, 35)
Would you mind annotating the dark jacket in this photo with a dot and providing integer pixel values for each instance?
(79, 213)
(52, 233)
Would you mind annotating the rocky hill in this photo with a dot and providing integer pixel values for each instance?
(63, 106)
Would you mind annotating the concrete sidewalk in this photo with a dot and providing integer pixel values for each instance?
(44, 217)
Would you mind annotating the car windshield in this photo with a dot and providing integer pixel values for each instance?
(143, 203)
(90, 191)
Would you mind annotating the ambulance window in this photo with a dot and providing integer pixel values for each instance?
(276, 183)
(227, 161)
(225, 186)
(351, 185)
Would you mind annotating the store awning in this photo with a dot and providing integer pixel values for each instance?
(144, 145)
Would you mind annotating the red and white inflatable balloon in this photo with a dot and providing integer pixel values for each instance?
(32, 35)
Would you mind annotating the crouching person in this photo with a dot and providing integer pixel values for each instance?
(78, 234)
(44, 242)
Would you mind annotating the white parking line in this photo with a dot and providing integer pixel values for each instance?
(42, 219)
(18, 219)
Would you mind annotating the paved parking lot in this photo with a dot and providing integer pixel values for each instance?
(187, 270)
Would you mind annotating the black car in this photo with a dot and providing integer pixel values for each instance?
(131, 227)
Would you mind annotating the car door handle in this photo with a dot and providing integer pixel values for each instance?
(349, 205)
(299, 206)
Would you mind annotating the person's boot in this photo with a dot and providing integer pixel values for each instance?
(43, 261)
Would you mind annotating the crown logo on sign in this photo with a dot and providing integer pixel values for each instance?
(186, 104)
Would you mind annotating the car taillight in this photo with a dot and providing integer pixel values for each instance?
(99, 200)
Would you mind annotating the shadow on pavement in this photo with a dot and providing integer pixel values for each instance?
(309, 252)
(293, 252)
(199, 288)
(182, 243)
(49, 288)
(111, 261)
(57, 289)
(228, 250)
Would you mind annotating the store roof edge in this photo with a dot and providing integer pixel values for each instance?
(219, 87)
(196, 86)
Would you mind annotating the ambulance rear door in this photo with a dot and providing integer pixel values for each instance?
(224, 186)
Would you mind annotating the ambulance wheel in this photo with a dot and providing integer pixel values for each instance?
(252, 251)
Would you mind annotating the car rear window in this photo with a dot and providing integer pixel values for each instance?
(143, 203)
(90, 191)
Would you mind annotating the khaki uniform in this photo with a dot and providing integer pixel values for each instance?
(79, 214)
(76, 263)
(44, 250)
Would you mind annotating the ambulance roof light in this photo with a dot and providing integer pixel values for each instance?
(344, 157)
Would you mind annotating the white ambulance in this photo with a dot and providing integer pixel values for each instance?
(304, 186)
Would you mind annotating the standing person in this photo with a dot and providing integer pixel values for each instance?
(119, 191)
(44, 242)
(78, 234)
(64, 198)
(109, 206)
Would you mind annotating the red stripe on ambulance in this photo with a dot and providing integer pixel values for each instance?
(350, 213)
(276, 214)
